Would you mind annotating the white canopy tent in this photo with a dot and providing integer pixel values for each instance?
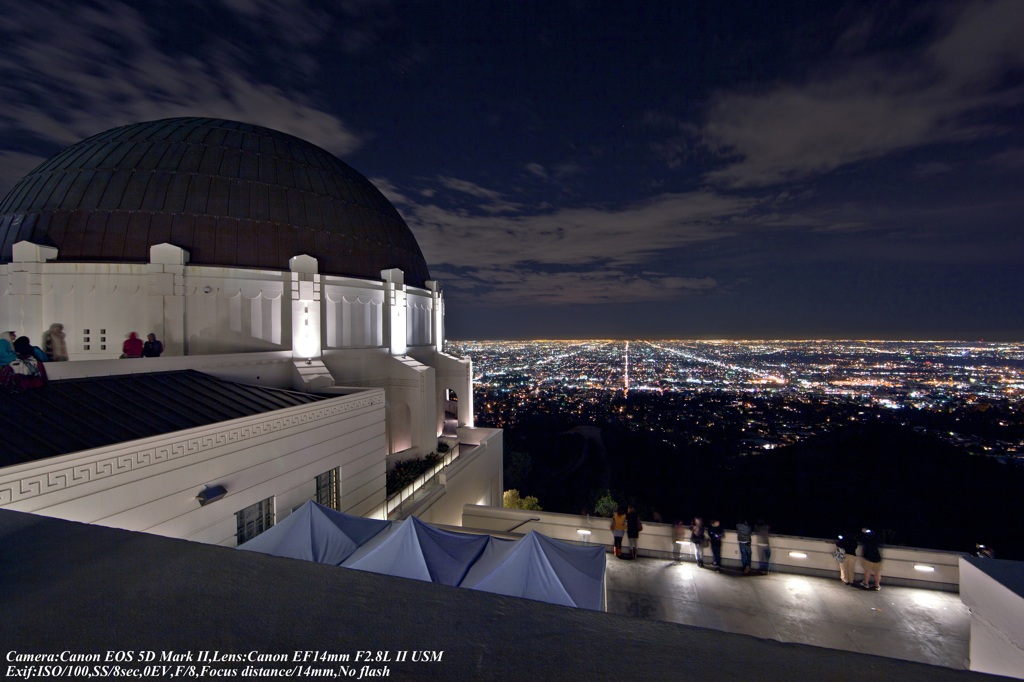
(541, 568)
(317, 533)
(533, 567)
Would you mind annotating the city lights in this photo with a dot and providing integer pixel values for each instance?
(771, 393)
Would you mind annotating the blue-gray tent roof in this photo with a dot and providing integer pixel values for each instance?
(421, 552)
(317, 533)
(542, 568)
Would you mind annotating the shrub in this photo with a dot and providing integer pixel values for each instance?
(408, 471)
(606, 506)
(511, 500)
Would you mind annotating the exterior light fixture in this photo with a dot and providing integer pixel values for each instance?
(924, 568)
(682, 542)
(798, 555)
(211, 494)
(584, 534)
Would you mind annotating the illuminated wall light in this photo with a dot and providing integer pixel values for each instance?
(798, 555)
(922, 567)
(584, 534)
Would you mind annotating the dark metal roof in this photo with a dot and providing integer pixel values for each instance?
(231, 194)
(67, 586)
(79, 414)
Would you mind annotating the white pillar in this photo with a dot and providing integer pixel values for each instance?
(166, 285)
(466, 404)
(437, 320)
(395, 314)
(305, 299)
(27, 288)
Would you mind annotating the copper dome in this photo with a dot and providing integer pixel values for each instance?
(231, 194)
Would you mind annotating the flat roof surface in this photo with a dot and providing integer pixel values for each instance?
(72, 415)
(67, 586)
(908, 623)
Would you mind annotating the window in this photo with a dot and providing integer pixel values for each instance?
(254, 519)
(327, 490)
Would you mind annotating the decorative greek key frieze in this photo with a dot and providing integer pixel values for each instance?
(33, 484)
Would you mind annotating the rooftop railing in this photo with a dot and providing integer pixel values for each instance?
(909, 566)
(425, 483)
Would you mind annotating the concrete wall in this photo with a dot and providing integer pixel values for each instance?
(898, 566)
(994, 591)
(260, 369)
(151, 484)
(193, 310)
(476, 475)
(198, 310)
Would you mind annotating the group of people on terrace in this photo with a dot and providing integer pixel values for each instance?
(870, 558)
(702, 537)
(22, 365)
(134, 347)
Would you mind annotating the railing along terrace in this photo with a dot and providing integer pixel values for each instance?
(909, 566)
(424, 483)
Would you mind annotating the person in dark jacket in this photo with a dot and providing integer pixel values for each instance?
(743, 537)
(715, 534)
(152, 348)
(846, 555)
(871, 557)
(633, 528)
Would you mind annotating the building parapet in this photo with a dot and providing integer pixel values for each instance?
(908, 566)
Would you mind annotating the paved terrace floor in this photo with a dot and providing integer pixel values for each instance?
(912, 624)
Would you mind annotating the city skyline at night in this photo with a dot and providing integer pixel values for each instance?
(777, 392)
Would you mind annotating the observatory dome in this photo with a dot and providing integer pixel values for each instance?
(231, 194)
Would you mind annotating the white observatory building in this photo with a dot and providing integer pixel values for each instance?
(303, 338)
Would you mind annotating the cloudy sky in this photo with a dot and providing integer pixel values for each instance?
(607, 169)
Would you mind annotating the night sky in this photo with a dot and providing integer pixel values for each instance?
(607, 169)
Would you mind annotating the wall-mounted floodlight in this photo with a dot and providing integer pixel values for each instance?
(798, 555)
(211, 493)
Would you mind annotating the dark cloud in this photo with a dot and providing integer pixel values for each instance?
(717, 169)
(874, 107)
(62, 85)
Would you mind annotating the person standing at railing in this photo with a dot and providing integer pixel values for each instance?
(715, 534)
(744, 537)
(618, 526)
(698, 538)
(871, 557)
(633, 528)
(678, 539)
(846, 555)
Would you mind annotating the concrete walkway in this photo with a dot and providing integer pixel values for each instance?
(897, 622)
